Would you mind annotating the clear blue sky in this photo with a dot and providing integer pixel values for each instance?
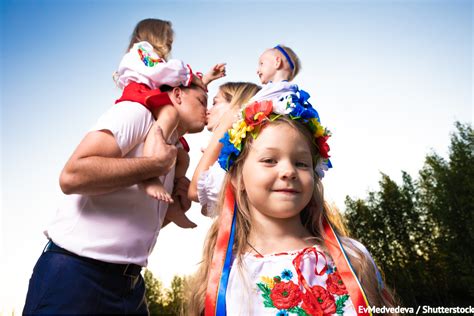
(389, 78)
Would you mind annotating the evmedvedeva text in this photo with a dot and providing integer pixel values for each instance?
(423, 309)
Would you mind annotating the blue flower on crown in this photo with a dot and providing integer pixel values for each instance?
(228, 153)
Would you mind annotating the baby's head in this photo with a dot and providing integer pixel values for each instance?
(158, 33)
(278, 64)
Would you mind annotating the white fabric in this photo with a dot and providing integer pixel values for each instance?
(244, 297)
(275, 91)
(173, 72)
(121, 226)
(209, 186)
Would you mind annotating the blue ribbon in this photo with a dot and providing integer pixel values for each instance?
(221, 309)
(292, 66)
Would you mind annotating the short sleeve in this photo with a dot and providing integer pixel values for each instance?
(129, 122)
(208, 188)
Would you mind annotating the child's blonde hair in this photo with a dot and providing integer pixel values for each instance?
(158, 33)
(311, 218)
(294, 59)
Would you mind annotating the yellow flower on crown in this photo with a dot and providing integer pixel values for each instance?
(238, 132)
(319, 128)
(268, 281)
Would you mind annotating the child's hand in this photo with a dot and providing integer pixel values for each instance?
(216, 72)
(198, 82)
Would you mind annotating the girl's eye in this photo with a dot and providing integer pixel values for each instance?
(268, 161)
(302, 164)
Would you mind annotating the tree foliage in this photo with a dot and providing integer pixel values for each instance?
(421, 232)
(163, 301)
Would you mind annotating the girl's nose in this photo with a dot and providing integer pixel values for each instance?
(287, 171)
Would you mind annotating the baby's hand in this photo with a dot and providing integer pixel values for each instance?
(216, 72)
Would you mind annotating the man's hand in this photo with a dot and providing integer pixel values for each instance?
(216, 72)
(162, 151)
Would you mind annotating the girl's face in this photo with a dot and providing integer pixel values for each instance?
(278, 173)
(267, 66)
(215, 113)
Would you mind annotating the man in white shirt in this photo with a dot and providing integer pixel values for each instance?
(107, 226)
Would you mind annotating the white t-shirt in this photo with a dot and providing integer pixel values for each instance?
(121, 226)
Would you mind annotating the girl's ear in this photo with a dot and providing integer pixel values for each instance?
(234, 181)
(278, 62)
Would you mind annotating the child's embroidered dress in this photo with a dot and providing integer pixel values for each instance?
(290, 283)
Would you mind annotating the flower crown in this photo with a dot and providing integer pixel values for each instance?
(257, 114)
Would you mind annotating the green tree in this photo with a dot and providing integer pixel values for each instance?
(422, 232)
(448, 195)
(163, 301)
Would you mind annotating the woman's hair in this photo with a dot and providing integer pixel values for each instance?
(238, 93)
(158, 33)
(311, 217)
(294, 58)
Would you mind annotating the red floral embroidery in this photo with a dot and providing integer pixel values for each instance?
(323, 146)
(335, 284)
(256, 112)
(285, 295)
(319, 296)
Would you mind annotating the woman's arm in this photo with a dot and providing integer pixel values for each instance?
(211, 153)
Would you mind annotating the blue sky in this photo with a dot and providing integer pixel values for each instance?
(389, 78)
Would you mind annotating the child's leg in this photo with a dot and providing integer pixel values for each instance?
(153, 187)
(176, 215)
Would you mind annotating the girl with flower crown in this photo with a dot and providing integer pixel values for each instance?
(142, 72)
(275, 247)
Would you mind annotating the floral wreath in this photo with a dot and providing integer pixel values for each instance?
(255, 115)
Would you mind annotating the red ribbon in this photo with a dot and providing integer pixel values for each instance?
(345, 270)
(218, 258)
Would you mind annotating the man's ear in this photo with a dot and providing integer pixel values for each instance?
(177, 94)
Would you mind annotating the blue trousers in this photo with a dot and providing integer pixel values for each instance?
(64, 283)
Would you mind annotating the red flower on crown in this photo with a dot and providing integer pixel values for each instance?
(335, 284)
(318, 300)
(256, 112)
(285, 295)
(323, 146)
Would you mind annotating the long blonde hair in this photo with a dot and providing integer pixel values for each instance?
(158, 33)
(238, 93)
(311, 218)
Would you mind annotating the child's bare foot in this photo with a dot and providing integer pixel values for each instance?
(176, 215)
(156, 190)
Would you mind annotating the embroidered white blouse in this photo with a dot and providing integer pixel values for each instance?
(272, 284)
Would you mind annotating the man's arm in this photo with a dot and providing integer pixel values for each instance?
(96, 166)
